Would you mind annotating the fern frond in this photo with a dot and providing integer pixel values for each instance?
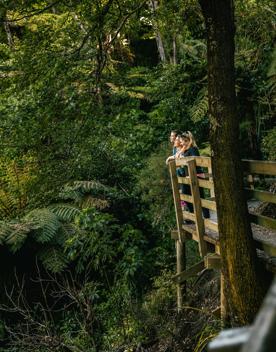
(16, 235)
(45, 223)
(5, 230)
(65, 232)
(87, 194)
(16, 179)
(89, 186)
(200, 108)
(7, 203)
(77, 189)
(65, 212)
(53, 259)
(92, 202)
(68, 193)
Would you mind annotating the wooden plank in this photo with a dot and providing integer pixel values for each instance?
(211, 240)
(209, 204)
(259, 167)
(263, 196)
(185, 235)
(174, 235)
(176, 197)
(263, 220)
(202, 183)
(212, 261)
(268, 248)
(211, 225)
(217, 248)
(200, 230)
(184, 180)
(189, 228)
(186, 198)
(206, 184)
(230, 340)
(188, 215)
(202, 161)
(262, 336)
(187, 274)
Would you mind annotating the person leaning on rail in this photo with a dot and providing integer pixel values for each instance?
(175, 142)
(188, 148)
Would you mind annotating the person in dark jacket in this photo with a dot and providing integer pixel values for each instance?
(189, 148)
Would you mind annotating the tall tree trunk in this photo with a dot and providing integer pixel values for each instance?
(3, 17)
(160, 46)
(244, 284)
(174, 58)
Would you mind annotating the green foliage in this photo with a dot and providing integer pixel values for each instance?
(76, 105)
(65, 212)
(17, 179)
(45, 223)
(153, 183)
(53, 259)
(269, 144)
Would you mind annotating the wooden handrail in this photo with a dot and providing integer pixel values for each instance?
(263, 196)
(260, 337)
(202, 161)
(259, 167)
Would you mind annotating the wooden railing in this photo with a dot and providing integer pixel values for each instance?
(205, 231)
(260, 337)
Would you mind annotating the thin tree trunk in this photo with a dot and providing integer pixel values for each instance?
(8, 32)
(161, 50)
(244, 285)
(174, 50)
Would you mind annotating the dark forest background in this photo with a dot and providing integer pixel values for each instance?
(89, 93)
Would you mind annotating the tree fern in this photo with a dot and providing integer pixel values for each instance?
(65, 212)
(92, 202)
(8, 204)
(16, 234)
(45, 223)
(16, 179)
(83, 187)
(5, 230)
(53, 259)
(87, 194)
(199, 110)
(65, 232)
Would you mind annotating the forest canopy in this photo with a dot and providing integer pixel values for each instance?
(89, 93)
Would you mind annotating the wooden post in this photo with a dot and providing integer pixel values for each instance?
(176, 198)
(250, 180)
(200, 229)
(212, 192)
(180, 266)
(180, 245)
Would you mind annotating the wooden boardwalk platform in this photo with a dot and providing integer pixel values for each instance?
(193, 226)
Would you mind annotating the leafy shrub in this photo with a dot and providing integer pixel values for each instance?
(269, 144)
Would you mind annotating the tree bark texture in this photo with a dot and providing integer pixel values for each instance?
(245, 286)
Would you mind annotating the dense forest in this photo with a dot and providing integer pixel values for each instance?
(89, 93)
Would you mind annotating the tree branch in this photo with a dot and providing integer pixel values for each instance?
(34, 13)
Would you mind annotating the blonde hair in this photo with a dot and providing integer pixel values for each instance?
(189, 135)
